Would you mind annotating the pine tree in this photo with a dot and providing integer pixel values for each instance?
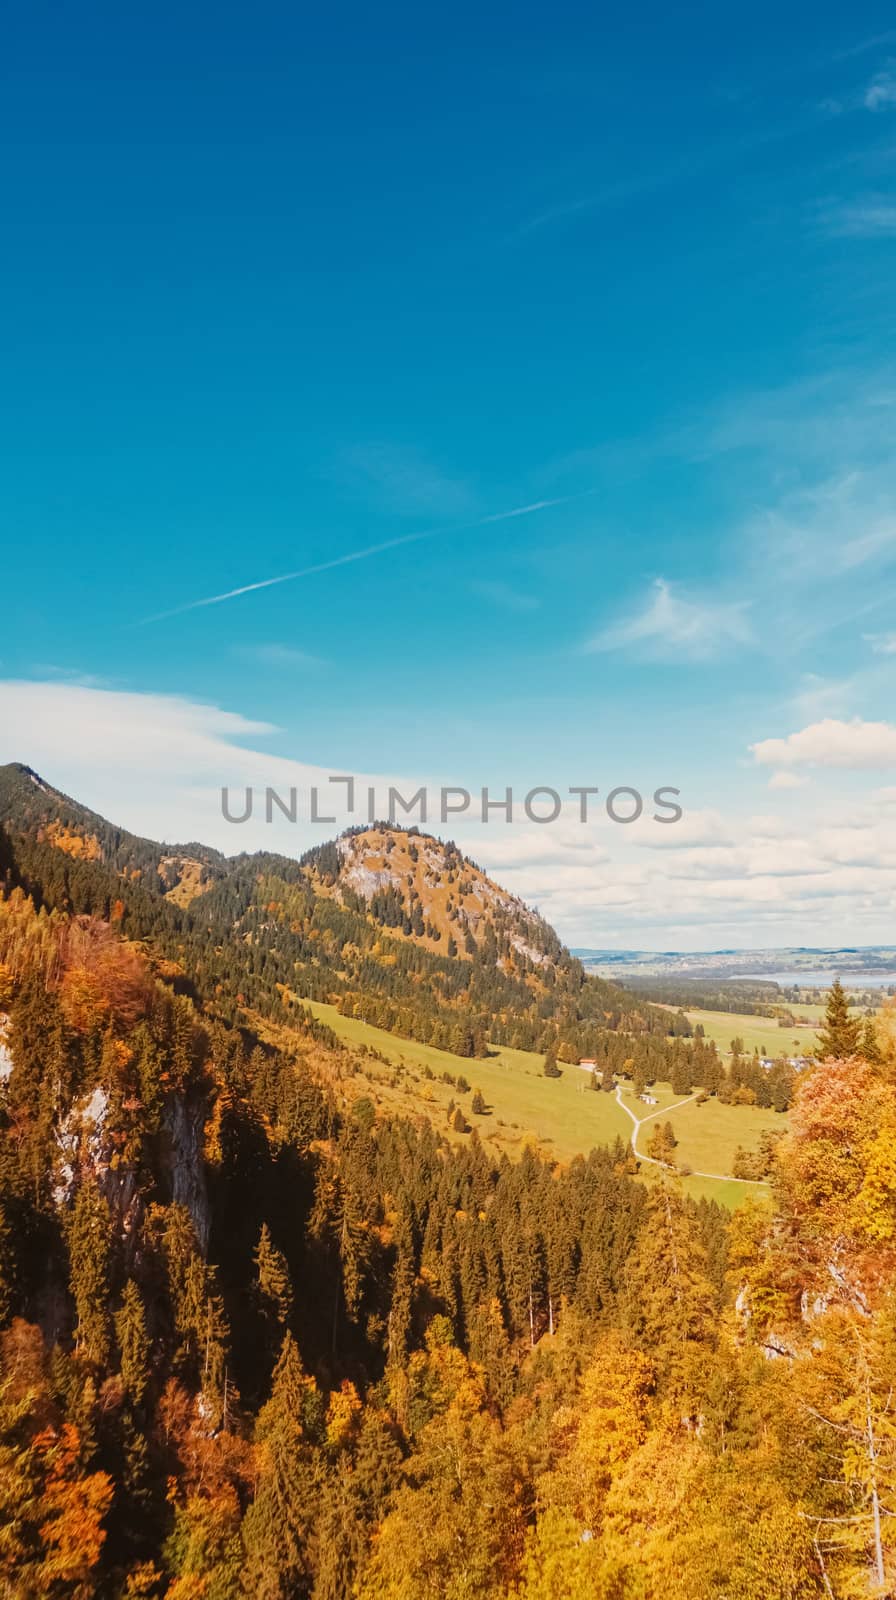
(278, 1525)
(870, 1049)
(133, 1343)
(88, 1247)
(403, 1282)
(273, 1280)
(842, 1033)
(551, 1069)
(681, 1073)
(8, 1273)
(669, 1297)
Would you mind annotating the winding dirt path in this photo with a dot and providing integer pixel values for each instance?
(665, 1111)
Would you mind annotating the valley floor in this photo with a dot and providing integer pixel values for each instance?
(563, 1116)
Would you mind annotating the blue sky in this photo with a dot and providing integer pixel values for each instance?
(285, 287)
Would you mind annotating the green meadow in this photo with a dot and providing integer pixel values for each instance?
(757, 1033)
(564, 1116)
(709, 1133)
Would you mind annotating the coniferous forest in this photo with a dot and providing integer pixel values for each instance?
(257, 1338)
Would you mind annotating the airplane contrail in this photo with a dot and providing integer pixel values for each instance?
(363, 555)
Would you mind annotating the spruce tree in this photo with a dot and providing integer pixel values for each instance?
(278, 1525)
(133, 1343)
(551, 1069)
(842, 1033)
(402, 1290)
(870, 1048)
(88, 1248)
(273, 1280)
(7, 1269)
(681, 1074)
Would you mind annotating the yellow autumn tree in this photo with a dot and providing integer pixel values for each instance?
(599, 1432)
(560, 1561)
(343, 1415)
(462, 1485)
(875, 1206)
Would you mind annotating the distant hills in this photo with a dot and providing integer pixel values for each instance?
(866, 960)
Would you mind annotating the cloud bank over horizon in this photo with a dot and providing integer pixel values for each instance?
(155, 763)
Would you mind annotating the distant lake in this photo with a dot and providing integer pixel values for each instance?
(820, 980)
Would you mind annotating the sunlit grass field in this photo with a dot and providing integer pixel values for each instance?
(563, 1116)
(762, 1033)
(707, 1134)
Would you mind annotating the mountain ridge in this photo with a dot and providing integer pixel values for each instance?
(392, 925)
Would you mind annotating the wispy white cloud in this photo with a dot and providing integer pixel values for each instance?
(808, 471)
(828, 425)
(818, 697)
(786, 780)
(280, 655)
(86, 680)
(873, 217)
(156, 763)
(752, 878)
(872, 41)
(876, 94)
(820, 537)
(883, 644)
(679, 626)
(881, 91)
(611, 194)
(707, 157)
(855, 745)
(402, 481)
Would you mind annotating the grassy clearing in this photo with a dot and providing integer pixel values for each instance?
(564, 1116)
(762, 1033)
(708, 1136)
(705, 1131)
(728, 1193)
(814, 1010)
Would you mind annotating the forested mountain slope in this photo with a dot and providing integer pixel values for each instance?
(396, 926)
(254, 1339)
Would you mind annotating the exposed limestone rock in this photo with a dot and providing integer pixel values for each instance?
(5, 1057)
(182, 1129)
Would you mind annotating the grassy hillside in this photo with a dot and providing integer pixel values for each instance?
(762, 1033)
(564, 1116)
